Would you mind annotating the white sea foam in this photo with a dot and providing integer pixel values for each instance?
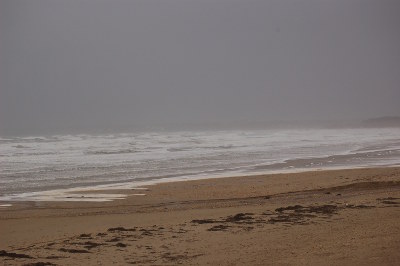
(43, 168)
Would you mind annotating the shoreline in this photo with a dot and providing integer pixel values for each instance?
(104, 192)
(330, 217)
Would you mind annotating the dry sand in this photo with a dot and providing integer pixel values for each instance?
(340, 217)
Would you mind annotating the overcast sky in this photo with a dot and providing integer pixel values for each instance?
(101, 64)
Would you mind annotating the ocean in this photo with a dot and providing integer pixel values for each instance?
(32, 168)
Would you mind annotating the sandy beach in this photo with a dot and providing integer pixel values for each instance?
(336, 217)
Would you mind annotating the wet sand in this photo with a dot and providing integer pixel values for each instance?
(338, 217)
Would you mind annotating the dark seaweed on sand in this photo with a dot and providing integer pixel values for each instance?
(4, 253)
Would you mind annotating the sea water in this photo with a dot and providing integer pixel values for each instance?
(31, 167)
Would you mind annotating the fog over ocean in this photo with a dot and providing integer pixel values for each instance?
(100, 67)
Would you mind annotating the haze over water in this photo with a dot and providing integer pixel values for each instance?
(100, 66)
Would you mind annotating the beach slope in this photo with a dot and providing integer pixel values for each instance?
(337, 217)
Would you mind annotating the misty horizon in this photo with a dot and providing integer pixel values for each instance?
(101, 66)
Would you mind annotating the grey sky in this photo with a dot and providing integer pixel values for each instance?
(81, 64)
